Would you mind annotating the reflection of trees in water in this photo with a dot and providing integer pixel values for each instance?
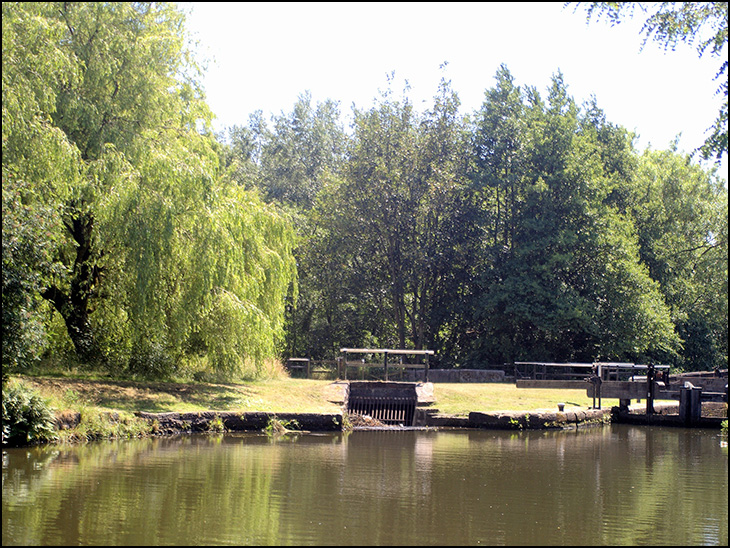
(616, 484)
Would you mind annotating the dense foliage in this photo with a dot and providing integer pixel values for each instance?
(530, 230)
(136, 241)
(149, 258)
(27, 418)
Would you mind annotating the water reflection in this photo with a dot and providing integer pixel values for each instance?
(611, 485)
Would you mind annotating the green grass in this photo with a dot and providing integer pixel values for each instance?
(283, 395)
(107, 407)
(462, 398)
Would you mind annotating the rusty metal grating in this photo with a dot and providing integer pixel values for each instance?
(388, 402)
(386, 410)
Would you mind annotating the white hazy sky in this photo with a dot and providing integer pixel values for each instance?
(262, 56)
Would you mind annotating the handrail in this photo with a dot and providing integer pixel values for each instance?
(386, 351)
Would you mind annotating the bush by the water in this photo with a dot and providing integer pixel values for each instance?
(27, 418)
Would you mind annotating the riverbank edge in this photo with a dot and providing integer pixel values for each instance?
(171, 423)
(430, 418)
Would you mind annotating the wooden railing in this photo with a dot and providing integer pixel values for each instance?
(344, 362)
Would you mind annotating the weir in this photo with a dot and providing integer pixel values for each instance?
(392, 403)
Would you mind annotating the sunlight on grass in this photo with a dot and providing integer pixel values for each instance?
(462, 398)
(286, 395)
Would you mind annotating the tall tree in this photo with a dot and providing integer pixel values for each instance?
(549, 288)
(293, 156)
(499, 152)
(398, 219)
(382, 192)
(149, 241)
(129, 115)
(39, 167)
(446, 225)
(290, 163)
(680, 212)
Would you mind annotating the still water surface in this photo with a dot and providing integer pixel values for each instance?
(615, 485)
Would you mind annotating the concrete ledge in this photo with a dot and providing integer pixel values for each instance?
(666, 420)
(667, 414)
(442, 420)
(538, 420)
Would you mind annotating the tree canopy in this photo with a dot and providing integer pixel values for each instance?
(153, 258)
(137, 241)
(516, 233)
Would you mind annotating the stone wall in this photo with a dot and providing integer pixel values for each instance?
(539, 420)
(170, 423)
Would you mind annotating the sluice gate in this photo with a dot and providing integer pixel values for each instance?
(392, 403)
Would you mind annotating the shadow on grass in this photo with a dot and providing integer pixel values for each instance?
(153, 397)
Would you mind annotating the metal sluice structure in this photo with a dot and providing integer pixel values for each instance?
(392, 403)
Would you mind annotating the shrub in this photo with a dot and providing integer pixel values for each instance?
(27, 418)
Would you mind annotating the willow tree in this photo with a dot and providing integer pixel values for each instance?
(156, 257)
(39, 166)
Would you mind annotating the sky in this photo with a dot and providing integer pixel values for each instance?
(263, 56)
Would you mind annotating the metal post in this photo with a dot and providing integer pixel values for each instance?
(596, 381)
(385, 364)
(650, 374)
(690, 403)
(696, 401)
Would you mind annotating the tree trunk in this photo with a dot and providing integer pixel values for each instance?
(74, 306)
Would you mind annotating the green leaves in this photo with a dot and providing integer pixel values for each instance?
(520, 236)
(149, 256)
(27, 419)
(563, 278)
(535, 232)
(681, 217)
(702, 24)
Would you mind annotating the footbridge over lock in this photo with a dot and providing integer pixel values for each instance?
(370, 360)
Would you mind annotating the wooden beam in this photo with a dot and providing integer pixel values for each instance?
(623, 390)
(390, 365)
(387, 351)
(562, 364)
(560, 384)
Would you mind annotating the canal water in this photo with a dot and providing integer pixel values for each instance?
(611, 485)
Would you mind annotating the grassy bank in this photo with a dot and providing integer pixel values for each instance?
(107, 407)
(283, 395)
